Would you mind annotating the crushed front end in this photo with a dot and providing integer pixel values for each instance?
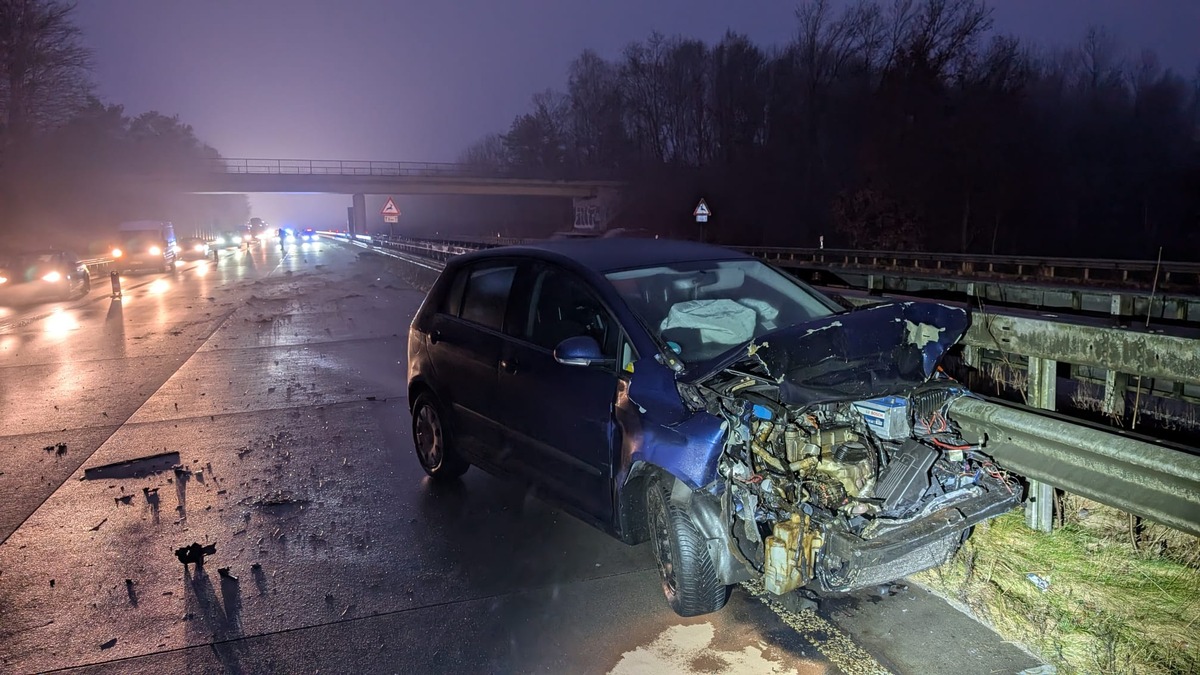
(838, 493)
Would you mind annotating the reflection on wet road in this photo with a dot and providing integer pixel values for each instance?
(258, 404)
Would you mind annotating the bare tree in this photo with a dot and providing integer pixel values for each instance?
(486, 154)
(43, 66)
(739, 97)
(643, 83)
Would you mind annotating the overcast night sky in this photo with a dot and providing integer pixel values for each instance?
(419, 80)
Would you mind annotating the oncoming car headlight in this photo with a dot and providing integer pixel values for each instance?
(52, 277)
(3, 280)
(116, 253)
(154, 250)
(199, 247)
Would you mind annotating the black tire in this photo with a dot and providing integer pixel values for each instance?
(432, 440)
(688, 576)
(87, 286)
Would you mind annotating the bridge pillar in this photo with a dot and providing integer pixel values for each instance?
(359, 226)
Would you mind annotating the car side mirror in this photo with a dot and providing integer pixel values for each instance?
(581, 350)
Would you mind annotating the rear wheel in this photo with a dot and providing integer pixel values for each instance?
(689, 578)
(432, 441)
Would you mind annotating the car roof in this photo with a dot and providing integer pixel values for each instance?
(612, 254)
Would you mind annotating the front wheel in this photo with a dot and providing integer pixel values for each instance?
(432, 441)
(689, 578)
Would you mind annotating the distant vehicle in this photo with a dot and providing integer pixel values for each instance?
(230, 239)
(48, 274)
(194, 248)
(257, 229)
(146, 245)
(308, 234)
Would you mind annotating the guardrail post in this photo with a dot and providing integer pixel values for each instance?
(1039, 506)
(1114, 393)
(1122, 305)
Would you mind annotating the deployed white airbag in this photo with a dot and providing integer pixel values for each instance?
(721, 321)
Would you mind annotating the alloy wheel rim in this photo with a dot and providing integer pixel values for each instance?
(429, 437)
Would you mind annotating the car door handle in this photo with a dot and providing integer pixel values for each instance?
(435, 337)
(509, 365)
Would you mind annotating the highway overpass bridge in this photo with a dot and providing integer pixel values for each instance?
(361, 178)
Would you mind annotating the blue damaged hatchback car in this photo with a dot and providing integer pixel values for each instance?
(744, 423)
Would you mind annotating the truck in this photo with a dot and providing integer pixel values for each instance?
(145, 245)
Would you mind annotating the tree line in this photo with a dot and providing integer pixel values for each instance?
(907, 125)
(69, 162)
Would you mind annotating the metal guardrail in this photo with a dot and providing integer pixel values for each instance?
(1120, 288)
(1153, 481)
(1135, 475)
(1097, 271)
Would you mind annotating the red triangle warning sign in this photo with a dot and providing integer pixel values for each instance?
(389, 209)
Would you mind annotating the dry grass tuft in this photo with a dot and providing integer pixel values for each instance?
(1110, 607)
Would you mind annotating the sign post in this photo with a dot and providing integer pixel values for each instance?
(702, 212)
(391, 216)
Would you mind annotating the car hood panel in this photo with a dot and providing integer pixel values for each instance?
(873, 351)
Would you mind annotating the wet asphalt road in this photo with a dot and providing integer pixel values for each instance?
(279, 380)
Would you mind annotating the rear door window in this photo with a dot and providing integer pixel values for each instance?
(485, 294)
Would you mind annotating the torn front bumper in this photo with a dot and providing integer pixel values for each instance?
(848, 562)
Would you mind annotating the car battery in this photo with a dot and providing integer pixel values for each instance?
(887, 417)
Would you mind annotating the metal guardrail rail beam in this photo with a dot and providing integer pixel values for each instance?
(1169, 357)
(1156, 482)
(1095, 271)
(1098, 286)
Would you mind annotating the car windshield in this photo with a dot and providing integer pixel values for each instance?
(703, 309)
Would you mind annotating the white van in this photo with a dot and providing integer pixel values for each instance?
(146, 245)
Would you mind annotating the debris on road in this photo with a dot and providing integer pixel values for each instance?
(1035, 579)
(276, 498)
(109, 645)
(96, 527)
(57, 448)
(133, 468)
(123, 499)
(226, 574)
(194, 554)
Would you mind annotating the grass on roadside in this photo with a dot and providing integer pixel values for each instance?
(1109, 608)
